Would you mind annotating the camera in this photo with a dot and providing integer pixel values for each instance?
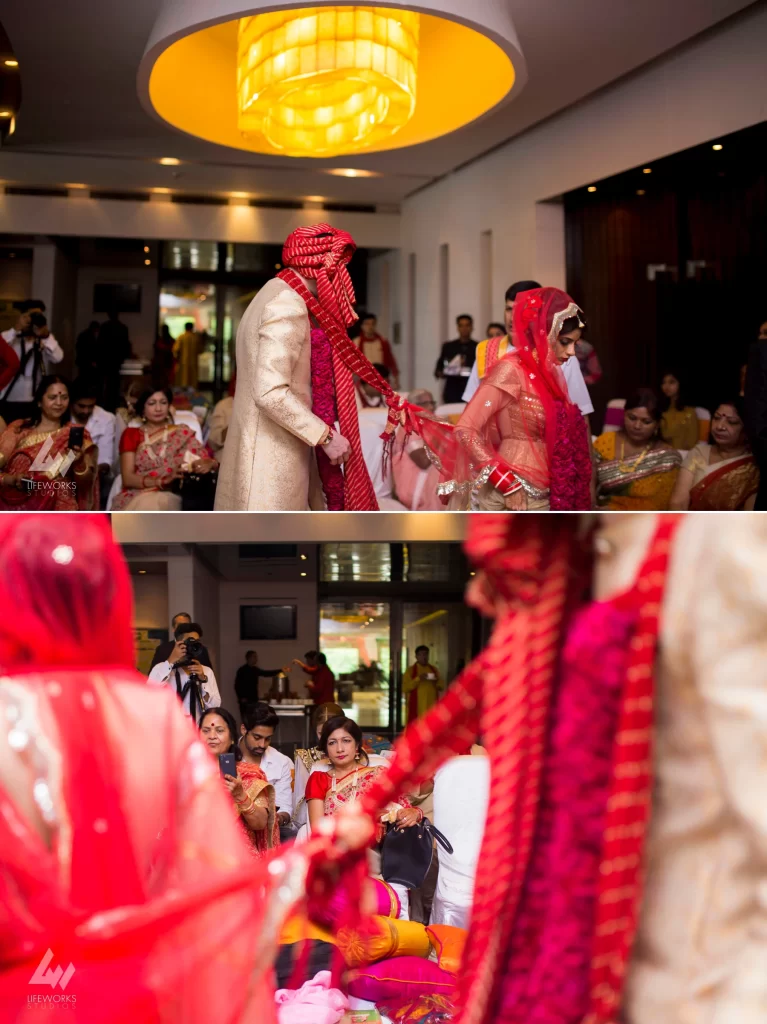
(36, 321)
(194, 649)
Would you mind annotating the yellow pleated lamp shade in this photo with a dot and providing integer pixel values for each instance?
(325, 81)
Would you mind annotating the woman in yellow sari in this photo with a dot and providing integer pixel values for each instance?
(722, 476)
(679, 421)
(636, 469)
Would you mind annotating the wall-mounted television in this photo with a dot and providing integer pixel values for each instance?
(125, 298)
(268, 622)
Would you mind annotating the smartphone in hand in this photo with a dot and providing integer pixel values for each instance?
(76, 437)
(228, 765)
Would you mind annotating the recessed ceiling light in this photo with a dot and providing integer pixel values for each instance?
(146, 248)
(640, 192)
(11, 63)
(591, 188)
(147, 263)
(170, 161)
(161, 191)
(142, 572)
(6, 113)
(74, 184)
(647, 170)
(718, 146)
(352, 172)
(303, 574)
(239, 195)
(303, 558)
(314, 199)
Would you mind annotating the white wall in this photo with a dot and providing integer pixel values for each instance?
(110, 218)
(150, 597)
(141, 326)
(205, 599)
(271, 653)
(384, 299)
(715, 85)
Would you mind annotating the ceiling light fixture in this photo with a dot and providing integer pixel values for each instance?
(239, 195)
(161, 191)
(10, 63)
(147, 263)
(170, 161)
(142, 572)
(718, 147)
(303, 574)
(75, 185)
(6, 113)
(352, 172)
(640, 191)
(146, 248)
(647, 170)
(591, 188)
(325, 81)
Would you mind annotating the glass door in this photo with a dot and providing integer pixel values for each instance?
(446, 629)
(355, 637)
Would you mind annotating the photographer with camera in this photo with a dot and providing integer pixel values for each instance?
(195, 684)
(36, 350)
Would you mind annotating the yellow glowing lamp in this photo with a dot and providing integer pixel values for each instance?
(324, 81)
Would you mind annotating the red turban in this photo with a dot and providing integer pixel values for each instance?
(321, 253)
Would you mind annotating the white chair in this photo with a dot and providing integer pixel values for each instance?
(372, 423)
(452, 411)
(461, 794)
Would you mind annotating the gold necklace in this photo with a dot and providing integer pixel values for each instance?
(623, 467)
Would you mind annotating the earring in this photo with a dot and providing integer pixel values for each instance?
(357, 756)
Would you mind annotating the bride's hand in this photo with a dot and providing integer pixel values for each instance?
(516, 502)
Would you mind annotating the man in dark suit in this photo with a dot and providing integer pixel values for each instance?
(456, 360)
(755, 398)
(164, 650)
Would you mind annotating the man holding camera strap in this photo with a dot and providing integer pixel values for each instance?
(35, 348)
(195, 685)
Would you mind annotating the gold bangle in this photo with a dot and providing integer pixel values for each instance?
(83, 472)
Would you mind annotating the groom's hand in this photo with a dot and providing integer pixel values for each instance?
(337, 449)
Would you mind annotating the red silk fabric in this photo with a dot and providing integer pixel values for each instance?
(533, 569)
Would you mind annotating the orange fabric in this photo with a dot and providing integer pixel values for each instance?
(448, 943)
(388, 937)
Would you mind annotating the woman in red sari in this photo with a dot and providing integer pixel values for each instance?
(70, 480)
(128, 865)
(521, 443)
(251, 792)
(154, 456)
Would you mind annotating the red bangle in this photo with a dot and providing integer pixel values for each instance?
(502, 478)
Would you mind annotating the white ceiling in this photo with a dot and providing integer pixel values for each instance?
(81, 120)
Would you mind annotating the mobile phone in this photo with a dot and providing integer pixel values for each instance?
(76, 437)
(228, 765)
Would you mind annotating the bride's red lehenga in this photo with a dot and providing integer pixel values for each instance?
(563, 699)
(119, 848)
(520, 428)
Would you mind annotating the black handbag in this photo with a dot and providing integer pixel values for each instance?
(197, 491)
(406, 853)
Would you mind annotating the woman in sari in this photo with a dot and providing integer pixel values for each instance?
(154, 456)
(521, 443)
(349, 775)
(307, 759)
(70, 480)
(636, 469)
(721, 476)
(130, 867)
(679, 420)
(253, 795)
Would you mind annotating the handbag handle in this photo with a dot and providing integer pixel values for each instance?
(436, 834)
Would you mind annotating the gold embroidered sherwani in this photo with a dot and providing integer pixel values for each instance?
(701, 950)
(268, 462)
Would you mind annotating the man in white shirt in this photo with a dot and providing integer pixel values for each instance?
(37, 349)
(257, 730)
(100, 424)
(576, 386)
(195, 685)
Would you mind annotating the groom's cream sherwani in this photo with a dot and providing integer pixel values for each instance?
(268, 462)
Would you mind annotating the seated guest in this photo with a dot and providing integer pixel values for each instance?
(246, 680)
(305, 760)
(253, 795)
(100, 424)
(495, 330)
(721, 476)
(376, 348)
(255, 744)
(220, 418)
(163, 650)
(195, 686)
(153, 457)
(367, 396)
(679, 420)
(40, 470)
(415, 476)
(636, 468)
